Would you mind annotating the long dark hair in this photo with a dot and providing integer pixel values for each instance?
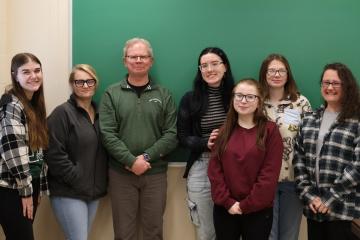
(350, 97)
(232, 120)
(290, 88)
(200, 96)
(34, 109)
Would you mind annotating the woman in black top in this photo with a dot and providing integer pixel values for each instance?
(76, 158)
(201, 111)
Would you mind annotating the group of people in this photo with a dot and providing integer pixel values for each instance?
(259, 156)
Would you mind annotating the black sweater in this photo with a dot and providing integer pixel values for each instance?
(76, 158)
(189, 131)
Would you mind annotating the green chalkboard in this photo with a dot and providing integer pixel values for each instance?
(309, 33)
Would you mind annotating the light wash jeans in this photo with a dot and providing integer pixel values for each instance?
(74, 216)
(287, 213)
(199, 199)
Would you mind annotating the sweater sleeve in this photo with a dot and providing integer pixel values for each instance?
(185, 126)
(14, 150)
(56, 156)
(219, 190)
(168, 141)
(109, 128)
(263, 190)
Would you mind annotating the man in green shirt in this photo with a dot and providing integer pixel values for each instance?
(138, 124)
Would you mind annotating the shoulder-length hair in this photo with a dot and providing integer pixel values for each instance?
(200, 95)
(350, 97)
(232, 120)
(290, 88)
(34, 109)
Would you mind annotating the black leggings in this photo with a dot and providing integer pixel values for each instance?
(252, 226)
(14, 224)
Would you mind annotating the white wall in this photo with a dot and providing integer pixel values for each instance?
(4, 72)
(42, 28)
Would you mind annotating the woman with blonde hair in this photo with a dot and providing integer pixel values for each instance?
(76, 158)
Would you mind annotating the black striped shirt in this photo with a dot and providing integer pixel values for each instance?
(215, 115)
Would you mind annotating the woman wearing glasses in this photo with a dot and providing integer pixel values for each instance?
(327, 157)
(244, 167)
(201, 111)
(76, 158)
(285, 106)
(23, 134)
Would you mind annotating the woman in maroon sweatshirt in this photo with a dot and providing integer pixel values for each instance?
(245, 167)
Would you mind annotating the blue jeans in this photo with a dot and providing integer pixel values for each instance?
(199, 199)
(75, 216)
(287, 213)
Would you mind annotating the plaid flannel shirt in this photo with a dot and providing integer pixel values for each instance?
(14, 162)
(339, 167)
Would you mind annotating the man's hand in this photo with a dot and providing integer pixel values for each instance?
(140, 165)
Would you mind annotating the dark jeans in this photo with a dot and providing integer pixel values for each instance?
(12, 220)
(256, 226)
(329, 230)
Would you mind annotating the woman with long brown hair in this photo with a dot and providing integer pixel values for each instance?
(244, 167)
(23, 135)
(285, 106)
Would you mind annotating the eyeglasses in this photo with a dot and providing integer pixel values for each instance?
(205, 66)
(142, 58)
(81, 82)
(326, 84)
(248, 97)
(272, 72)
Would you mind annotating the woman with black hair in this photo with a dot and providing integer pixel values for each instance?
(200, 112)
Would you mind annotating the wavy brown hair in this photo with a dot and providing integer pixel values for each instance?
(350, 97)
(232, 120)
(290, 88)
(34, 109)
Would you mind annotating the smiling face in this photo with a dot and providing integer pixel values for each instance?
(84, 92)
(246, 106)
(331, 89)
(212, 69)
(30, 77)
(138, 60)
(276, 76)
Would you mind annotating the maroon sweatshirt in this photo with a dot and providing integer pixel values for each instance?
(245, 173)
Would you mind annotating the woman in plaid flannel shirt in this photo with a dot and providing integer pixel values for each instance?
(327, 157)
(23, 135)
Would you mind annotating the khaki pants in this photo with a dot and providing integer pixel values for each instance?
(137, 200)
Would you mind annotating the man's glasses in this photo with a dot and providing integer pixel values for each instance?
(326, 84)
(248, 97)
(81, 82)
(205, 66)
(272, 72)
(142, 58)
